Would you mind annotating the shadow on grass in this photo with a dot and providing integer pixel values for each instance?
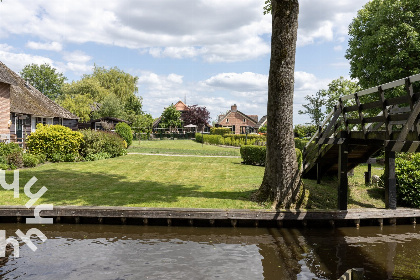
(95, 188)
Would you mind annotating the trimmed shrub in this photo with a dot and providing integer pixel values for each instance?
(15, 159)
(54, 139)
(220, 131)
(256, 155)
(199, 137)
(124, 130)
(4, 166)
(102, 142)
(407, 173)
(30, 160)
(42, 158)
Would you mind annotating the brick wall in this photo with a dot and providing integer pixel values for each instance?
(4, 108)
(236, 119)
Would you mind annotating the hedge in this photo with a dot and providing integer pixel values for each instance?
(407, 173)
(220, 130)
(255, 155)
(230, 139)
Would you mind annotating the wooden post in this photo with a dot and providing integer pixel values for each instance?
(368, 174)
(342, 173)
(390, 181)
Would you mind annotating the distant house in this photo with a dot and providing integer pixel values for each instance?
(237, 121)
(262, 122)
(183, 108)
(22, 107)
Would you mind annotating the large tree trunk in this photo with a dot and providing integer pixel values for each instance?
(281, 178)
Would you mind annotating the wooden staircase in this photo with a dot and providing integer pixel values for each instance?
(381, 118)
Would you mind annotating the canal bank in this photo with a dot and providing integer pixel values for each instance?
(214, 217)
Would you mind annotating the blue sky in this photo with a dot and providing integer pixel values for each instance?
(214, 53)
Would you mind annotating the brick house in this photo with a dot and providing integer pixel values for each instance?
(22, 107)
(237, 121)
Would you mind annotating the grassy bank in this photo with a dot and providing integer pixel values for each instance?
(180, 147)
(165, 181)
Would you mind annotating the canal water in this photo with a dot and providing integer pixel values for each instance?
(145, 252)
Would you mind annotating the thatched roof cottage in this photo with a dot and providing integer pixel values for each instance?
(22, 107)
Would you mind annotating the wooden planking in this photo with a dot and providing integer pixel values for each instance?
(208, 214)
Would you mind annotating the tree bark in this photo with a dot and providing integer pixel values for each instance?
(281, 178)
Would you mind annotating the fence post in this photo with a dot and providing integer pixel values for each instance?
(390, 181)
(342, 173)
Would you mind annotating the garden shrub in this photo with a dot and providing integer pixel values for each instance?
(124, 130)
(54, 139)
(30, 160)
(102, 142)
(42, 158)
(407, 173)
(220, 131)
(7, 149)
(199, 137)
(4, 166)
(15, 159)
(98, 156)
(256, 155)
(57, 157)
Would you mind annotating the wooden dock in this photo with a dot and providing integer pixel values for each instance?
(214, 217)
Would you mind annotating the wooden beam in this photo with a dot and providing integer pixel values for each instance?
(342, 173)
(390, 180)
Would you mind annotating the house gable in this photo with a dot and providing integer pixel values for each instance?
(237, 120)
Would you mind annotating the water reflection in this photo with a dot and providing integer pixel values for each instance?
(134, 252)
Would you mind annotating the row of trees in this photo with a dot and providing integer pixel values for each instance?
(104, 93)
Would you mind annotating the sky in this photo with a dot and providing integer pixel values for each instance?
(213, 53)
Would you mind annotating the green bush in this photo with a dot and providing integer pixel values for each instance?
(15, 159)
(30, 160)
(300, 143)
(4, 166)
(95, 142)
(256, 155)
(7, 149)
(124, 130)
(407, 172)
(98, 156)
(199, 137)
(57, 157)
(220, 131)
(42, 158)
(304, 130)
(54, 139)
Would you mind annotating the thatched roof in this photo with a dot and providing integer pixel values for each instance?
(25, 99)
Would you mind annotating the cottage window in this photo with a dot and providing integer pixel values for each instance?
(227, 120)
(244, 120)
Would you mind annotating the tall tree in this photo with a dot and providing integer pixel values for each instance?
(196, 115)
(314, 108)
(170, 118)
(337, 88)
(281, 178)
(384, 42)
(44, 78)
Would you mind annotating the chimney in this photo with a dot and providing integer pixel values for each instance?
(234, 108)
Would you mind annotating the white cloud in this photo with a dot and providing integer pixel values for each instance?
(240, 82)
(76, 56)
(326, 20)
(53, 46)
(17, 61)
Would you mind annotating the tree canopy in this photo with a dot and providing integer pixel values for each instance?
(170, 118)
(196, 115)
(104, 93)
(384, 42)
(44, 78)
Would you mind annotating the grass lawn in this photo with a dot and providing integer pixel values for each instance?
(187, 182)
(180, 147)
